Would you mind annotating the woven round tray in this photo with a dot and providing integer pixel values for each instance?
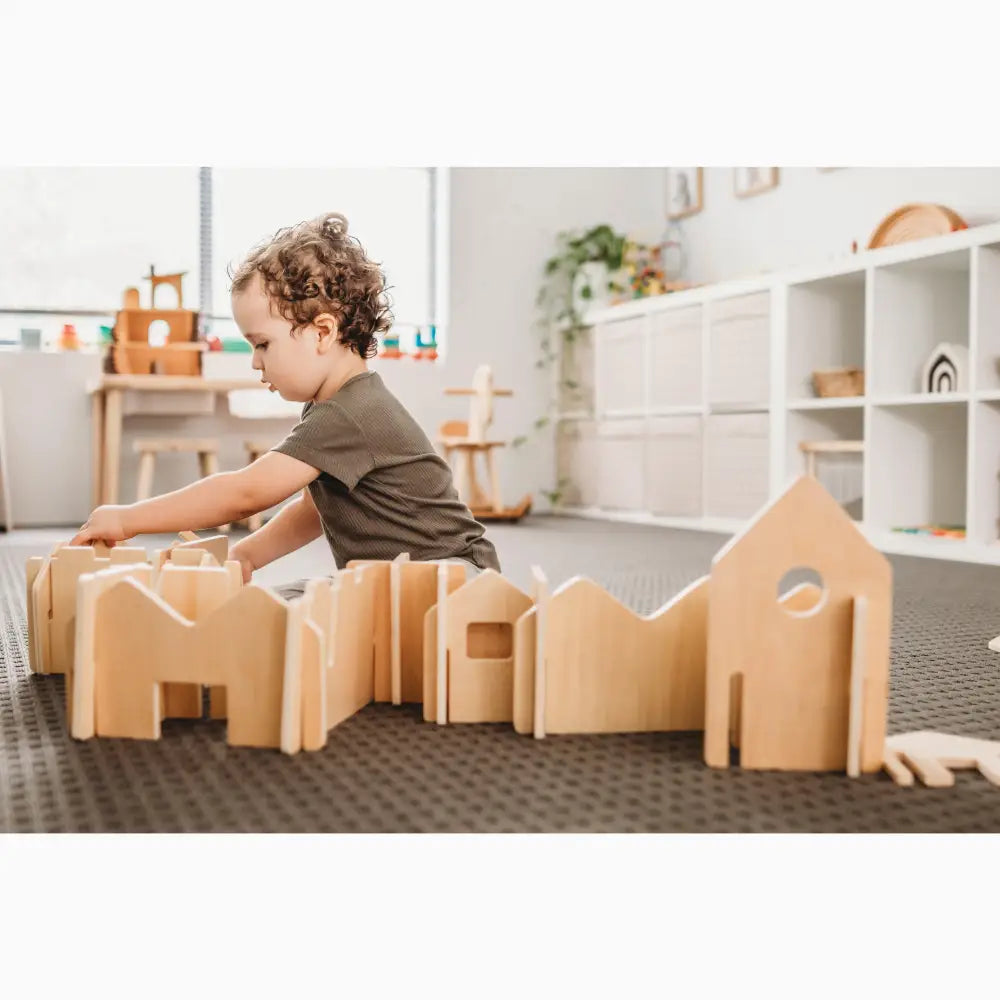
(915, 222)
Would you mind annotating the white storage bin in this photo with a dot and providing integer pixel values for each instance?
(737, 458)
(673, 466)
(675, 358)
(620, 369)
(740, 350)
(620, 465)
(576, 462)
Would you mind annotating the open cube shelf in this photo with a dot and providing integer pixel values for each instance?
(703, 396)
(917, 305)
(826, 329)
(840, 472)
(921, 476)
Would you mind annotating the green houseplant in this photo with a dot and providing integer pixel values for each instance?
(570, 280)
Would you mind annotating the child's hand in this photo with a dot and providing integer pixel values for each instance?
(105, 524)
(246, 563)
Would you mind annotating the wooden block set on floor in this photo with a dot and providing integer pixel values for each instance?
(792, 678)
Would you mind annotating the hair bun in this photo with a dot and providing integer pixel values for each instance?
(333, 224)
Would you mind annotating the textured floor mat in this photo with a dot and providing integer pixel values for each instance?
(387, 770)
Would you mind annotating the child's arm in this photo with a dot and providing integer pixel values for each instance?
(219, 499)
(295, 525)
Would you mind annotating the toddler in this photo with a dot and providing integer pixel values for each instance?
(311, 304)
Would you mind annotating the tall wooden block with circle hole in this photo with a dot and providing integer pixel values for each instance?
(800, 684)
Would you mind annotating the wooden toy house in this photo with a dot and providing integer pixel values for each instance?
(175, 351)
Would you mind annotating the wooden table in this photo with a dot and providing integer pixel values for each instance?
(106, 418)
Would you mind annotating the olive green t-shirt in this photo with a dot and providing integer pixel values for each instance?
(382, 488)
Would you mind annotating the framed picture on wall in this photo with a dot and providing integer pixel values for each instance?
(684, 191)
(748, 181)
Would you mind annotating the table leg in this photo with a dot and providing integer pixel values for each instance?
(96, 447)
(112, 445)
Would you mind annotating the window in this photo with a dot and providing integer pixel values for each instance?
(73, 238)
(388, 209)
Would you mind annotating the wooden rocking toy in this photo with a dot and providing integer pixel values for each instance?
(468, 439)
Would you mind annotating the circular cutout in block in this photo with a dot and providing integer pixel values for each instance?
(159, 333)
(801, 592)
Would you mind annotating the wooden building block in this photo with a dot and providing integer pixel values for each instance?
(404, 614)
(473, 637)
(34, 567)
(351, 675)
(379, 572)
(217, 545)
(932, 757)
(316, 605)
(81, 699)
(620, 673)
(540, 595)
(240, 645)
(792, 668)
(52, 599)
(525, 659)
(194, 585)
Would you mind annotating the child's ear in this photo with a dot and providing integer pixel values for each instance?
(327, 331)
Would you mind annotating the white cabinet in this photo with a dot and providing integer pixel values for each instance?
(619, 354)
(675, 359)
(736, 464)
(703, 396)
(620, 464)
(673, 466)
(739, 350)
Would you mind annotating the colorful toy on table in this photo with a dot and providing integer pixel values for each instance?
(68, 339)
(426, 350)
(390, 346)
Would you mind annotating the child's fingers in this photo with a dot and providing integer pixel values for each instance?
(83, 537)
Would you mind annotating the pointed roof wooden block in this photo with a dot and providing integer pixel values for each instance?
(803, 522)
(780, 673)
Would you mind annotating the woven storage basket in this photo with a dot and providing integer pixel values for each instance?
(839, 382)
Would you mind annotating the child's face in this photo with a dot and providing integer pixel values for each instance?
(290, 364)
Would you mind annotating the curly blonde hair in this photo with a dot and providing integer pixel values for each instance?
(315, 267)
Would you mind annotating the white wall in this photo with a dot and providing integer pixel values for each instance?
(502, 228)
(813, 216)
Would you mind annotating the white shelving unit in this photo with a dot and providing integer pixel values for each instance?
(689, 408)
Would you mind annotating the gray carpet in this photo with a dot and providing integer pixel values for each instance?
(386, 770)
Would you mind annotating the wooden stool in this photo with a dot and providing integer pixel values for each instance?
(207, 450)
(813, 448)
(254, 450)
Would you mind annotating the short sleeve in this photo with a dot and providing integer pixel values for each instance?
(330, 440)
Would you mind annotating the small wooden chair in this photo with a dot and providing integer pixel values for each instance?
(453, 435)
(810, 449)
(207, 450)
